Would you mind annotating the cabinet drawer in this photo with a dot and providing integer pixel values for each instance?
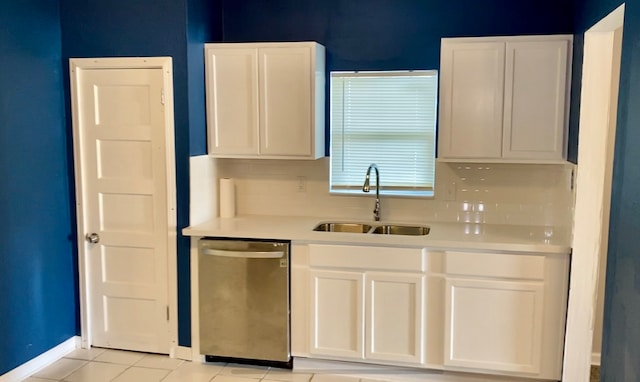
(383, 258)
(495, 265)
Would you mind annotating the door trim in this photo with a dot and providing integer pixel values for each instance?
(598, 108)
(76, 66)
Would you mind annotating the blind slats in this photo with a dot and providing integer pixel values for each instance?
(387, 118)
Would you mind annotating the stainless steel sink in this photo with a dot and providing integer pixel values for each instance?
(385, 229)
(395, 229)
(343, 227)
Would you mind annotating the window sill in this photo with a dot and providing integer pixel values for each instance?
(386, 193)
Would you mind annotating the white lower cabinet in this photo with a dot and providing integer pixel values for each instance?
(382, 322)
(358, 312)
(337, 308)
(488, 313)
(394, 317)
(494, 325)
(505, 313)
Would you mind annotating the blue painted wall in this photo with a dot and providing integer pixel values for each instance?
(37, 270)
(95, 28)
(383, 34)
(204, 24)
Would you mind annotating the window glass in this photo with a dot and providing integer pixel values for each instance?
(386, 118)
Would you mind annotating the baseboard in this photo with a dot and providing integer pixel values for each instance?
(182, 352)
(595, 359)
(28, 368)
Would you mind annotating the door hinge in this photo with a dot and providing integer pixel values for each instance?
(167, 312)
(162, 96)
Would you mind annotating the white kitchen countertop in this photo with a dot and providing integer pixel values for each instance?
(450, 236)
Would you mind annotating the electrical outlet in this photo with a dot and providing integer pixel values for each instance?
(449, 191)
(301, 185)
(572, 179)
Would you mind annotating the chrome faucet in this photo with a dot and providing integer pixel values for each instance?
(366, 188)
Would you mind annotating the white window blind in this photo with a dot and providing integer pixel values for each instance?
(386, 118)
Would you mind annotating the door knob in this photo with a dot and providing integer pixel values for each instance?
(92, 238)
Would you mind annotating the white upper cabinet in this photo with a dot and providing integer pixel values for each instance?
(232, 100)
(504, 98)
(471, 99)
(535, 99)
(265, 100)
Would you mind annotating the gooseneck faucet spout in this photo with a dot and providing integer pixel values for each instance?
(367, 188)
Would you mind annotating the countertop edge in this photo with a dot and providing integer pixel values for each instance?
(444, 236)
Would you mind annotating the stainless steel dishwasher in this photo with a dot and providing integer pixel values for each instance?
(244, 301)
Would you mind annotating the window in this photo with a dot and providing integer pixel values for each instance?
(386, 118)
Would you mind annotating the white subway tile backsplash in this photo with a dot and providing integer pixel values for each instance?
(523, 194)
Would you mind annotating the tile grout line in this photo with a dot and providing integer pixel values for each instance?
(122, 372)
(169, 371)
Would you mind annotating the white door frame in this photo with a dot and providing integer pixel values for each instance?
(598, 110)
(76, 65)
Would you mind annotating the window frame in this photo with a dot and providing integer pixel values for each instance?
(408, 191)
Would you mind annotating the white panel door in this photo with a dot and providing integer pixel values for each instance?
(337, 320)
(471, 99)
(121, 125)
(535, 99)
(395, 317)
(232, 100)
(285, 101)
(494, 325)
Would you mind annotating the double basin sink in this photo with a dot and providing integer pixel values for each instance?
(383, 229)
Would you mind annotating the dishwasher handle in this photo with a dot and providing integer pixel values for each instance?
(242, 254)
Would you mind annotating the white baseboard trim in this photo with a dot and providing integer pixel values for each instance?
(182, 352)
(595, 359)
(28, 368)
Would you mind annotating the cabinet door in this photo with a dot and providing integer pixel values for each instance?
(337, 319)
(286, 120)
(232, 100)
(494, 325)
(535, 99)
(395, 317)
(471, 99)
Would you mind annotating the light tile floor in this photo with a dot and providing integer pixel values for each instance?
(105, 365)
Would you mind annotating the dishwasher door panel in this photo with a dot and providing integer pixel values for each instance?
(244, 300)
